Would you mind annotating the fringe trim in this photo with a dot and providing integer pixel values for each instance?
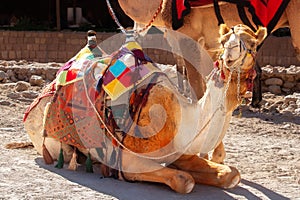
(73, 165)
(46, 155)
(60, 161)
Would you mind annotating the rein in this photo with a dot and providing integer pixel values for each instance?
(123, 30)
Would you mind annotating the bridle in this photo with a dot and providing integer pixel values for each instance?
(236, 66)
(244, 52)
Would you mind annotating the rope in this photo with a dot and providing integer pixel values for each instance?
(137, 154)
(123, 30)
(237, 64)
(113, 15)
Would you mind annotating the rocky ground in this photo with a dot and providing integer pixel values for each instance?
(262, 143)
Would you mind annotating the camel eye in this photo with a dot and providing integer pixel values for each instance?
(252, 44)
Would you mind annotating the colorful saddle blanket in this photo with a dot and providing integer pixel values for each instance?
(81, 89)
(264, 12)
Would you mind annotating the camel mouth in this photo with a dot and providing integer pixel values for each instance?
(229, 62)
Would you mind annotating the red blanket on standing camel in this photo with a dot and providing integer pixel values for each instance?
(264, 12)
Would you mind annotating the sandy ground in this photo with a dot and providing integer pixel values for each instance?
(264, 146)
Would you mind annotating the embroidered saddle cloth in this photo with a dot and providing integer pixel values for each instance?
(82, 88)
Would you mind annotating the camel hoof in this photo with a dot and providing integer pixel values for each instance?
(183, 183)
(233, 178)
(189, 187)
(234, 182)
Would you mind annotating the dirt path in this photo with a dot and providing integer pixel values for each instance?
(264, 146)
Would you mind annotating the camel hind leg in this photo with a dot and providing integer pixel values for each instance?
(219, 154)
(34, 127)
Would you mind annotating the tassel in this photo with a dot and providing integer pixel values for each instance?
(60, 161)
(73, 162)
(104, 171)
(46, 155)
(89, 164)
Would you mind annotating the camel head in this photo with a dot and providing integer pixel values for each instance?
(240, 44)
(238, 58)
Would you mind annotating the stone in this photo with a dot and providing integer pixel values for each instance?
(22, 86)
(50, 76)
(288, 77)
(30, 94)
(298, 87)
(288, 84)
(286, 90)
(264, 89)
(5, 103)
(36, 80)
(10, 73)
(14, 95)
(275, 89)
(3, 76)
(274, 81)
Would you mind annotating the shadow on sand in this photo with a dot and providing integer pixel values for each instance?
(276, 118)
(137, 191)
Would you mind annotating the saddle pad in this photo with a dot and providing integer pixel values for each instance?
(264, 12)
(70, 117)
(130, 68)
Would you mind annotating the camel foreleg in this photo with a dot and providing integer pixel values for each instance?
(140, 169)
(208, 172)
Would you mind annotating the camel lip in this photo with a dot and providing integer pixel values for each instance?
(229, 62)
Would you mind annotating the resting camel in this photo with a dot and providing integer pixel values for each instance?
(201, 25)
(168, 133)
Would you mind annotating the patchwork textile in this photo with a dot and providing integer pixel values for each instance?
(127, 71)
(66, 74)
(264, 12)
(81, 89)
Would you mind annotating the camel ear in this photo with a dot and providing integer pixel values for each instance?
(223, 29)
(261, 34)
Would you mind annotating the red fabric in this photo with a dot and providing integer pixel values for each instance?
(265, 9)
(71, 116)
(264, 12)
(195, 3)
(72, 74)
(180, 8)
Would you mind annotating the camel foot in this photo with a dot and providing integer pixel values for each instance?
(234, 182)
(235, 178)
(182, 183)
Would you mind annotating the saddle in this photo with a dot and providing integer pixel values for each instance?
(94, 99)
(264, 12)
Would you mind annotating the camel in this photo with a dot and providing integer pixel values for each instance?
(201, 25)
(172, 131)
